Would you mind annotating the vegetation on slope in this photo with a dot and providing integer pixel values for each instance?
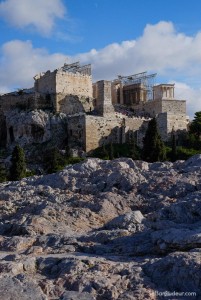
(18, 165)
(52, 159)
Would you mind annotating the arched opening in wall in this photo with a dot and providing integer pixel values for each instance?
(11, 134)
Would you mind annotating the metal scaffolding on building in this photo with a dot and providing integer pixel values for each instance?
(145, 80)
(77, 68)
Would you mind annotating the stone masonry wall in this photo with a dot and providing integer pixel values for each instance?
(168, 121)
(45, 83)
(155, 107)
(103, 130)
(137, 126)
(162, 126)
(174, 106)
(69, 86)
(73, 84)
(14, 100)
(151, 107)
(104, 97)
(178, 121)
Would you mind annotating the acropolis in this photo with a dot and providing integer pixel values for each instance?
(96, 113)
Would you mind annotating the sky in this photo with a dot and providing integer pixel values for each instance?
(118, 37)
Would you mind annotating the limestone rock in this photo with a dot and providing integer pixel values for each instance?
(118, 229)
(167, 272)
(11, 288)
(70, 295)
(36, 126)
(130, 221)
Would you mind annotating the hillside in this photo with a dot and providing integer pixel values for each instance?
(118, 229)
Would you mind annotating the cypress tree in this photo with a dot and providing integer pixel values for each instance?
(134, 152)
(2, 173)
(195, 126)
(111, 151)
(153, 146)
(174, 147)
(105, 154)
(18, 164)
(67, 152)
(53, 161)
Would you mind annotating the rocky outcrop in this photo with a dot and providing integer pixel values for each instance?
(118, 229)
(36, 126)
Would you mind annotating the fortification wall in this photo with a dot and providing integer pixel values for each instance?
(134, 123)
(169, 121)
(45, 83)
(73, 92)
(104, 130)
(152, 107)
(14, 100)
(162, 126)
(155, 107)
(42, 101)
(179, 123)
(74, 84)
(174, 106)
(136, 126)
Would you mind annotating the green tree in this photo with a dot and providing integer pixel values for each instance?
(195, 126)
(134, 150)
(104, 154)
(111, 151)
(153, 146)
(174, 147)
(53, 160)
(18, 164)
(67, 152)
(2, 173)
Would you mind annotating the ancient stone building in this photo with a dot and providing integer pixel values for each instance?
(90, 114)
(69, 88)
(138, 93)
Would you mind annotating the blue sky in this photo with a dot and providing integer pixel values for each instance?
(117, 37)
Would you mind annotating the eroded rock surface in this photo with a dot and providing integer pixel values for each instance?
(101, 230)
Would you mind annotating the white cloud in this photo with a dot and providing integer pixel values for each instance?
(191, 95)
(4, 90)
(20, 62)
(160, 49)
(39, 14)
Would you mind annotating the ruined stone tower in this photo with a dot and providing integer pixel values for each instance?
(69, 88)
(103, 97)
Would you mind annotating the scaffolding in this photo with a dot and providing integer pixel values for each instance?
(77, 68)
(146, 81)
